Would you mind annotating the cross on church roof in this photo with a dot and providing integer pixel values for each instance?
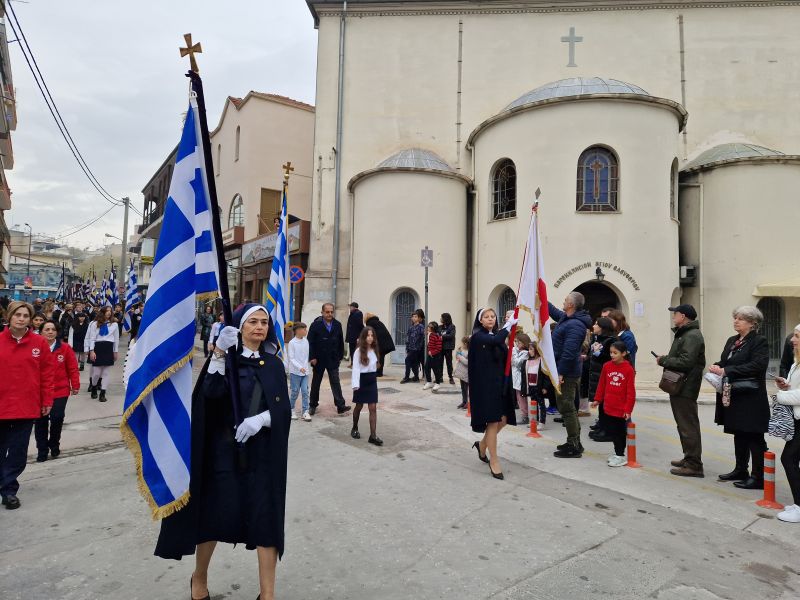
(287, 170)
(191, 50)
(572, 39)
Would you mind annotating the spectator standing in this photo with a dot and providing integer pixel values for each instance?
(787, 357)
(355, 323)
(624, 333)
(461, 370)
(616, 391)
(297, 352)
(28, 362)
(415, 348)
(433, 358)
(743, 406)
(789, 395)
(448, 333)
(687, 355)
(599, 354)
(568, 336)
(519, 356)
(205, 321)
(216, 328)
(66, 381)
(326, 351)
(385, 342)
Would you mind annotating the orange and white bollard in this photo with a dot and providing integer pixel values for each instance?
(534, 420)
(769, 483)
(469, 412)
(632, 446)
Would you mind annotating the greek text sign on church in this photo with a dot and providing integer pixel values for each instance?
(663, 136)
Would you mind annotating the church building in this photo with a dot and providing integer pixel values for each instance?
(663, 136)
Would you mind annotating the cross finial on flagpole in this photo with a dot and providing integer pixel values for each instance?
(191, 49)
(536, 194)
(287, 170)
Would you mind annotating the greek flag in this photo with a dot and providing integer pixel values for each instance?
(156, 422)
(113, 296)
(276, 289)
(131, 297)
(60, 290)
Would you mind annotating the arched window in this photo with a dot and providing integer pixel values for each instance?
(673, 190)
(504, 190)
(236, 149)
(598, 181)
(236, 215)
(772, 328)
(404, 304)
(505, 302)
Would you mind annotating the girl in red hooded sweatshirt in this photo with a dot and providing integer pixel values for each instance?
(616, 390)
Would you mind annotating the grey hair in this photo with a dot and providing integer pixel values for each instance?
(749, 313)
(576, 299)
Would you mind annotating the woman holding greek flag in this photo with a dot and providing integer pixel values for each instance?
(238, 481)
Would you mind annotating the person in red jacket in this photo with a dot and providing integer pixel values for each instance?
(66, 381)
(27, 395)
(616, 390)
(435, 359)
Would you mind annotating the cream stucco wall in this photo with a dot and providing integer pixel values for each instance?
(642, 239)
(271, 133)
(395, 216)
(748, 212)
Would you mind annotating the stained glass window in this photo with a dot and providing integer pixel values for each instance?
(504, 190)
(598, 181)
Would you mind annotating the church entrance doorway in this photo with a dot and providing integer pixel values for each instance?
(598, 296)
(404, 302)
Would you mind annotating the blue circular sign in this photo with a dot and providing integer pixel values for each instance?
(296, 274)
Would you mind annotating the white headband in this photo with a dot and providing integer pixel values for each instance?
(250, 311)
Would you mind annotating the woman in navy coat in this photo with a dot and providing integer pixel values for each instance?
(491, 405)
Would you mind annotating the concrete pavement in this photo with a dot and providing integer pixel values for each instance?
(418, 518)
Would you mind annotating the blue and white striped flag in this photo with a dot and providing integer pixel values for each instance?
(156, 422)
(131, 297)
(60, 290)
(278, 283)
(113, 296)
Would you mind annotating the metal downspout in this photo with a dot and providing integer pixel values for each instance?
(337, 193)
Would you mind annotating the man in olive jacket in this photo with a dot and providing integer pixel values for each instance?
(687, 355)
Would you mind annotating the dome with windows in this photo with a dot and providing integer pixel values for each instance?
(577, 86)
(730, 153)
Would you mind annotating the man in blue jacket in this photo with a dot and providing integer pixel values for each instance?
(568, 336)
(325, 352)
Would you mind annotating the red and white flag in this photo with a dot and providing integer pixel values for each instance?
(532, 298)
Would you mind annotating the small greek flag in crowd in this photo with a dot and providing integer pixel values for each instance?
(60, 290)
(113, 296)
(131, 297)
(156, 422)
(277, 286)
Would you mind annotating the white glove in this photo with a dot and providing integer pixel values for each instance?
(252, 425)
(228, 338)
(510, 323)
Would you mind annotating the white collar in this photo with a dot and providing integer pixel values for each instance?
(247, 353)
(53, 345)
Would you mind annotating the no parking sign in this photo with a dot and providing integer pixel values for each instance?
(296, 274)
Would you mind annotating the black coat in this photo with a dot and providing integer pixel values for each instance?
(64, 323)
(229, 501)
(355, 323)
(787, 357)
(489, 395)
(448, 334)
(749, 409)
(327, 347)
(385, 341)
(596, 362)
(79, 334)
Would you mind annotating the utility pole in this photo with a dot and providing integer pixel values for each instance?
(123, 265)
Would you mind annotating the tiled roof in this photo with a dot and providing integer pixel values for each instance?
(577, 86)
(729, 152)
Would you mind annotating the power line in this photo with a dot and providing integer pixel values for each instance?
(78, 228)
(51, 106)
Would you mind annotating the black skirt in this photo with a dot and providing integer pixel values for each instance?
(367, 392)
(104, 354)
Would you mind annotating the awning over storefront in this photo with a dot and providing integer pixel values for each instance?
(789, 288)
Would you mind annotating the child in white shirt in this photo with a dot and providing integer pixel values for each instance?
(299, 368)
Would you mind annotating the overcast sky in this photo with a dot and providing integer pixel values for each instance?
(116, 75)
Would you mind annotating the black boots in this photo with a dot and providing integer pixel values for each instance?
(93, 389)
(739, 473)
(102, 396)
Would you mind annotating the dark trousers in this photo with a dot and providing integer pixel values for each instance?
(685, 412)
(617, 429)
(333, 378)
(205, 348)
(464, 392)
(790, 459)
(413, 359)
(541, 405)
(352, 346)
(747, 444)
(448, 360)
(14, 437)
(48, 429)
(566, 406)
(435, 364)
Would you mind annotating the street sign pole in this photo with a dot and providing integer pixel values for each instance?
(426, 261)
(291, 302)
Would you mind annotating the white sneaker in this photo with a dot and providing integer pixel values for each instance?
(617, 461)
(306, 416)
(294, 416)
(427, 386)
(610, 456)
(436, 387)
(790, 514)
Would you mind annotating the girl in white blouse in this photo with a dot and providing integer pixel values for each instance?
(365, 383)
(102, 343)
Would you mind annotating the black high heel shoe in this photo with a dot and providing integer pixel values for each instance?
(477, 446)
(496, 475)
(206, 597)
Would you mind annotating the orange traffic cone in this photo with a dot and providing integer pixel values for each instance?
(534, 418)
(469, 412)
(769, 483)
(632, 446)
